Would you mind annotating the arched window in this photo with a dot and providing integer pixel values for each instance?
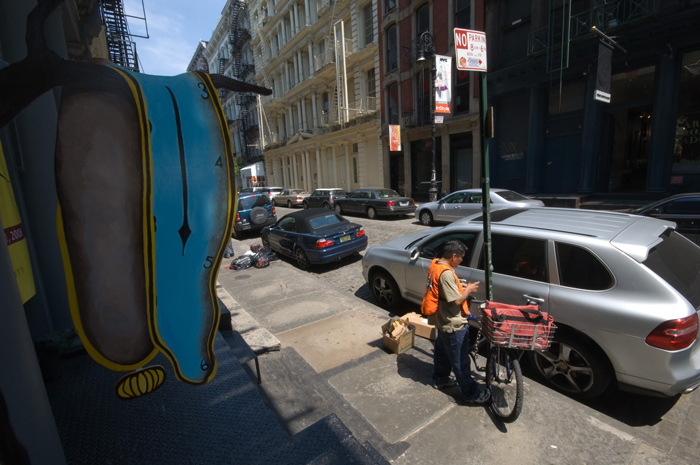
(392, 48)
(422, 19)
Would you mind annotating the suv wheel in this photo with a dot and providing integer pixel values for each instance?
(306, 205)
(573, 366)
(385, 290)
(371, 213)
(327, 205)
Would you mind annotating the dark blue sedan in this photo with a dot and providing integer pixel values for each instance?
(314, 237)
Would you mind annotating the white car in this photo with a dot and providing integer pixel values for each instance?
(466, 202)
(624, 291)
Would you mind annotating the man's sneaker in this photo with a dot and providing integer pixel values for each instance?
(451, 381)
(482, 398)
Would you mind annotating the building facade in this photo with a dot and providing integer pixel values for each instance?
(406, 97)
(554, 137)
(229, 52)
(321, 125)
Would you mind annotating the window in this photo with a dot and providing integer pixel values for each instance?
(434, 248)
(391, 48)
(518, 256)
(688, 206)
(393, 103)
(371, 83)
(324, 221)
(424, 94)
(287, 224)
(463, 17)
(368, 24)
(686, 153)
(422, 19)
(390, 5)
(457, 197)
(579, 268)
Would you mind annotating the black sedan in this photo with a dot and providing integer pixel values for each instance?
(682, 209)
(314, 237)
(374, 202)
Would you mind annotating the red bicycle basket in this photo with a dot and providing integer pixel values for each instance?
(517, 326)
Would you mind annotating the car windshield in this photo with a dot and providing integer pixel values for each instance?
(248, 203)
(319, 222)
(677, 261)
(387, 193)
(512, 196)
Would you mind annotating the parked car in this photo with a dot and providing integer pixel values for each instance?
(623, 290)
(325, 197)
(253, 212)
(315, 236)
(271, 192)
(466, 202)
(376, 201)
(682, 209)
(290, 197)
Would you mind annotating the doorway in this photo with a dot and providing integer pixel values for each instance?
(626, 138)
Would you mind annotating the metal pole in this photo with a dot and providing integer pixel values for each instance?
(433, 178)
(485, 188)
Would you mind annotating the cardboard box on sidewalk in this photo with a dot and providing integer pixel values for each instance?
(423, 328)
(398, 336)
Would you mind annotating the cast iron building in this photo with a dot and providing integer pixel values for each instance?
(321, 125)
(553, 137)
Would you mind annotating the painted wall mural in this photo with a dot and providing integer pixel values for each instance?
(146, 191)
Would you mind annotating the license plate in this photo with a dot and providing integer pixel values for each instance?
(344, 238)
(403, 204)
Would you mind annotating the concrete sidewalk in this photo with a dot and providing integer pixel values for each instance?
(331, 361)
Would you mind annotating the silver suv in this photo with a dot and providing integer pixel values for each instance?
(624, 291)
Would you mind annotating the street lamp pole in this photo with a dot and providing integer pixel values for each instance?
(426, 44)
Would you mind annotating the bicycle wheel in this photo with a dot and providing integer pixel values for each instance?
(505, 379)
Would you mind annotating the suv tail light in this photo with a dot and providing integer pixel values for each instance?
(274, 212)
(238, 217)
(674, 334)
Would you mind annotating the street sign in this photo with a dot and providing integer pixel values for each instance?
(470, 48)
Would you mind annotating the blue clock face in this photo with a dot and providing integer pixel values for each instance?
(192, 185)
(144, 172)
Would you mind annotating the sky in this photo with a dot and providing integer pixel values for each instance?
(175, 27)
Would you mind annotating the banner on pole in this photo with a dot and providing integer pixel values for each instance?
(602, 82)
(394, 138)
(443, 84)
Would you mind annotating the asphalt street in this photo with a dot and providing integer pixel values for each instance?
(332, 361)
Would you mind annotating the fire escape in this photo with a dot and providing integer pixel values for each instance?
(122, 50)
(247, 124)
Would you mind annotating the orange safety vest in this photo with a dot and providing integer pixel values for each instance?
(432, 289)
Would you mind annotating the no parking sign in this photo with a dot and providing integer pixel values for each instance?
(470, 47)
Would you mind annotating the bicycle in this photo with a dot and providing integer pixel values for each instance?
(505, 347)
